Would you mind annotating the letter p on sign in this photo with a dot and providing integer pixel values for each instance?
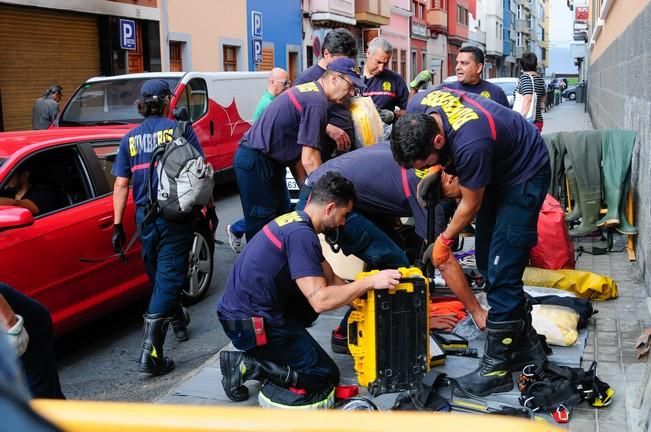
(127, 34)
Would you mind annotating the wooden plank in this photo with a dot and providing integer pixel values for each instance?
(630, 241)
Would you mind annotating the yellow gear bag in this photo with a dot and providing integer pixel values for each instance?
(586, 285)
(366, 121)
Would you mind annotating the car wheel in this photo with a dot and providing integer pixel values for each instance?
(572, 96)
(200, 265)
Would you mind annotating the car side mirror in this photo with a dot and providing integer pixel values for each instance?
(15, 217)
(181, 114)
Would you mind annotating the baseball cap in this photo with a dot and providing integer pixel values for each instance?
(154, 88)
(349, 67)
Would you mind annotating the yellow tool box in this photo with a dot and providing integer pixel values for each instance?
(388, 334)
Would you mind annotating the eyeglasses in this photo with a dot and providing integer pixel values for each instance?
(285, 83)
(351, 86)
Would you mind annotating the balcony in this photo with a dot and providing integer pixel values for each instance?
(418, 29)
(373, 13)
(518, 52)
(333, 11)
(523, 3)
(478, 36)
(437, 20)
(522, 26)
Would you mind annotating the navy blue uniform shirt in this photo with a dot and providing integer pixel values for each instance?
(338, 114)
(136, 147)
(295, 118)
(387, 89)
(264, 274)
(483, 88)
(381, 185)
(490, 145)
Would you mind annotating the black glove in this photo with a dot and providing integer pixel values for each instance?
(211, 214)
(426, 259)
(118, 238)
(426, 188)
(387, 116)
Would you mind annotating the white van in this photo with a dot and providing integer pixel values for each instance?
(220, 106)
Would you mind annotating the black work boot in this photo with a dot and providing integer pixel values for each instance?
(238, 367)
(529, 347)
(152, 360)
(494, 372)
(180, 323)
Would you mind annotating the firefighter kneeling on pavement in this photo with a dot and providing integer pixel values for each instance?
(282, 260)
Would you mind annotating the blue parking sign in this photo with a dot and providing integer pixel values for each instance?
(257, 51)
(127, 34)
(256, 25)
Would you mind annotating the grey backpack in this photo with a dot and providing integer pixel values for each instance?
(185, 179)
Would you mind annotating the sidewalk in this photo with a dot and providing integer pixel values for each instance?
(610, 341)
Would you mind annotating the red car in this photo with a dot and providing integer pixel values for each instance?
(60, 258)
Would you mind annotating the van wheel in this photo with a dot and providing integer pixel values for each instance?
(200, 265)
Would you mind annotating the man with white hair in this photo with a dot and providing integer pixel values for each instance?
(387, 89)
(278, 83)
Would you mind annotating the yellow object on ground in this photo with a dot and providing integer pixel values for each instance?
(86, 416)
(585, 284)
(557, 323)
(366, 121)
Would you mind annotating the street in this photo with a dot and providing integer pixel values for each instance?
(98, 361)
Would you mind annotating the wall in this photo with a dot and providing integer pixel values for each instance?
(397, 31)
(281, 28)
(619, 96)
(209, 24)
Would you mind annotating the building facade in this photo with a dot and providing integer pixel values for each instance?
(281, 38)
(204, 36)
(619, 97)
(65, 42)
(397, 32)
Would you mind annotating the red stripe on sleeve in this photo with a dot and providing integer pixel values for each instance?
(276, 242)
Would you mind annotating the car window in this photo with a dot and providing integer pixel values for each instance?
(2, 160)
(106, 102)
(106, 156)
(508, 87)
(195, 98)
(58, 179)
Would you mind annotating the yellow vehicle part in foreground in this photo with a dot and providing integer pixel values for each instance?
(89, 416)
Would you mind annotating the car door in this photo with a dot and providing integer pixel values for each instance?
(46, 260)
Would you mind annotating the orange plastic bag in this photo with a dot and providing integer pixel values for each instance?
(555, 248)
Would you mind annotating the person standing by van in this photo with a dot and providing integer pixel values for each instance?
(339, 134)
(46, 108)
(278, 83)
(288, 133)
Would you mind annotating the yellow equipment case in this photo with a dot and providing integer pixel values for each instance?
(388, 334)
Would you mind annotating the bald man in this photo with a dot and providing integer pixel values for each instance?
(278, 83)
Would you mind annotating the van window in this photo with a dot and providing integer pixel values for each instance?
(194, 98)
(106, 102)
